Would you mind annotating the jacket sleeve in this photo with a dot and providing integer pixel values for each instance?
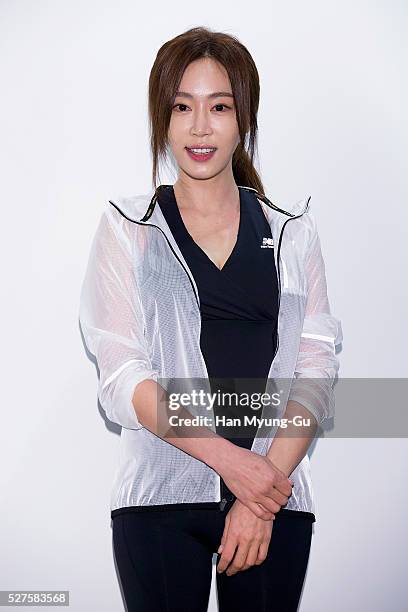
(317, 364)
(112, 320)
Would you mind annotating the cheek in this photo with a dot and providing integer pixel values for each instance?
(227, 131)
(176, 131)
(231, 139)
(172, 129)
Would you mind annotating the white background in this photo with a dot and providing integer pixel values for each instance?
(74, 134)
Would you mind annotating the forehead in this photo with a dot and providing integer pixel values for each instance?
(205, 76)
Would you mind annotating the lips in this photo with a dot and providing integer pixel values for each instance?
(200, 157)
(201, 146)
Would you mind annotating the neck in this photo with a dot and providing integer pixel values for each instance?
(209, 196)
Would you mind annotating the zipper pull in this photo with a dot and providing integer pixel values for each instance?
(222, 503)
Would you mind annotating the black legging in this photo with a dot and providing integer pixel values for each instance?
(164, 559)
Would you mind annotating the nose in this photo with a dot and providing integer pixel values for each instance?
(201, 122)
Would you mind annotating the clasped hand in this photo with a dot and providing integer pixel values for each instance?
(261, 490)
(245, 540)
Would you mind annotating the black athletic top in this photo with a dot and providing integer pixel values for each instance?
(238, 304)
(239, 314)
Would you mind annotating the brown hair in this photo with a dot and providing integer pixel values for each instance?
(165, 76)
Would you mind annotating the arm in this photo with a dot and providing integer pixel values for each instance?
(110, 320)
(112, 324)
(311, 395)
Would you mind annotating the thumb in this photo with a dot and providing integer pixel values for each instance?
(224, 535)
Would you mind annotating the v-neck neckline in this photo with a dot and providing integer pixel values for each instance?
(197, 246)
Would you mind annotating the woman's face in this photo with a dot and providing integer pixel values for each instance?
(203, 115)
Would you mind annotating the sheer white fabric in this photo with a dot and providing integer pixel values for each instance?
(317, 363)
(140, 317)
(112, 319)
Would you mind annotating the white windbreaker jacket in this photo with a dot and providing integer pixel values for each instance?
(140, 317)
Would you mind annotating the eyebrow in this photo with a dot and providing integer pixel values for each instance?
(215, 94)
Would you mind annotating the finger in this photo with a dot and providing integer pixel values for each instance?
(284, 486)
(227, 553)
(269, 503)
(262, 552)
(252, 556)
(259, 511)
(239, 559)
(225, 532)
(278, 497)
(271, 514)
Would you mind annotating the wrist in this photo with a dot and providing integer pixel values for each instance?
(223, 453)
(285, 467)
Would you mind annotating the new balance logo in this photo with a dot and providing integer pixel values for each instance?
(267, 243)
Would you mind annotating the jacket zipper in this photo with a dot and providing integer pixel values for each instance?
(279, 274)
(168, 242)
(222, 503)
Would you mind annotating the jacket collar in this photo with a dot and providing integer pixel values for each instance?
(298, 209)
(142, 209)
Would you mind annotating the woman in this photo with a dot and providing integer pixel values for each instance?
(207, 280)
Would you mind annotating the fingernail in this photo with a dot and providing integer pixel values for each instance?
(219, 548)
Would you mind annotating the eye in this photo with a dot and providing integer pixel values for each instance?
(180, 104)
(220, 104)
